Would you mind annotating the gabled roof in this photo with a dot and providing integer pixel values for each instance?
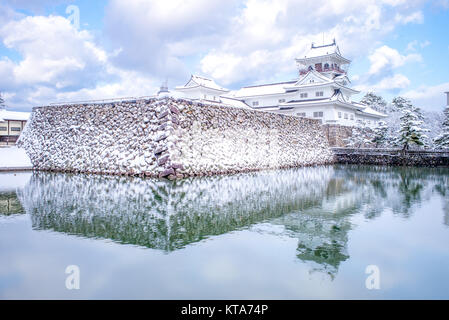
(13, 115)
(197, 81)
(326, 49)
(322, 51)
(342, 77)
(312, 74)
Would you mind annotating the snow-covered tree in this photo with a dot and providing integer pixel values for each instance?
(400, 103)
(360, 136)
(442, 141)
(411, 130)
(381, 135)
(374, 101)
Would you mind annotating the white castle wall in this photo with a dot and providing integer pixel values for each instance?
(169, 138)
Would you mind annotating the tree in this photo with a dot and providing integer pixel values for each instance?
(442, 141)
(381, 135)
(360, 136)
(375, 102)
(411, 131)
(399, 104)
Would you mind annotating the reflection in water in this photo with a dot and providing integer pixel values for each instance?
(9, 204)
(313, 205)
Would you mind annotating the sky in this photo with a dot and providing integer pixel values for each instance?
(73, 50)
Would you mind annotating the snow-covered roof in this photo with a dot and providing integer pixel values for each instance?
(318, 51)
(337, 97)
(14, 115)
(264, 89)
(371, 112)
(234, 102)
(322, 51)
(197, 81)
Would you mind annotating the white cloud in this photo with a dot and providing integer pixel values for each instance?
(386, 58)
(175, 38)
(415, 17)
(235, 41)
(59, 62)
(412, 46)
(429, 97)
(286, 28)
(389, 83)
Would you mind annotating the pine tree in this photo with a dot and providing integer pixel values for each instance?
(400, 103)
(411, 131)
(374, 101)
(442, 141)
(381, 135)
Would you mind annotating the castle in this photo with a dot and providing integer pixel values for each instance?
(321, 91)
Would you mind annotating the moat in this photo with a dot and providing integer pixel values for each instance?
(280, 234)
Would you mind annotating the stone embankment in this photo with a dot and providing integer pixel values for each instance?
(392, 157)
(171, 138)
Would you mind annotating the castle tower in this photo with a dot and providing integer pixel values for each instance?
(325, 59)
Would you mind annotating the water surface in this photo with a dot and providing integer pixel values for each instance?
(281, 234)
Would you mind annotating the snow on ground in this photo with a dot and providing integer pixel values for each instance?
(13, 157)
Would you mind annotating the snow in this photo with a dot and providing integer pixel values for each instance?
(371, 111)
(273, 88)
(13, 157)
(13, 115)
(234, 102)
(204, 82)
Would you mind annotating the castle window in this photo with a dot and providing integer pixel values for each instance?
(326, 66)
(318, 114)
(281, 100)
(3, 129)
(352, 117)
(255, 103)
(339, 114)
(15, 129)
(319, 93)
(301, 114)
(346, 116)
(303, 95)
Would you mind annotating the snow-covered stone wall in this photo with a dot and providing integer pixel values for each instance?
(169, 138)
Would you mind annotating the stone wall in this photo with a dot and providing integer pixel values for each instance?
(392, 157)
(337, 134)
(169, 138)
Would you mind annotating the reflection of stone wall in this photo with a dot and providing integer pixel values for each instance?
(163, 214)
(174, 138)
(313, 205)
